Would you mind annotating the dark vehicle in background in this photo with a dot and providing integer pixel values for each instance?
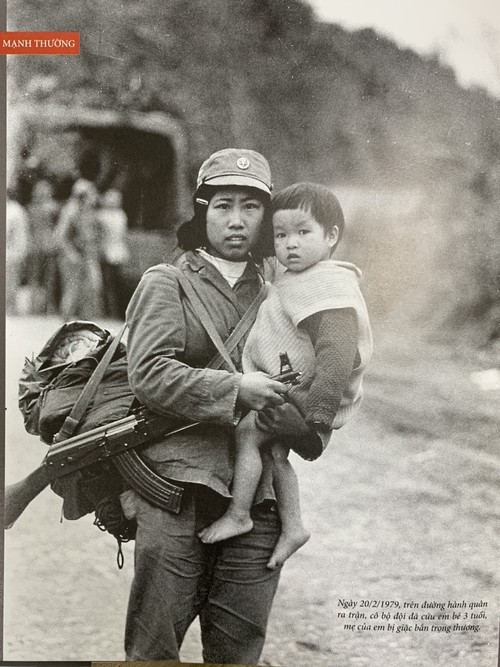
(142, 154)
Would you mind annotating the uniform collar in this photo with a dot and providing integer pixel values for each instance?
(208, 271)
(200, 265)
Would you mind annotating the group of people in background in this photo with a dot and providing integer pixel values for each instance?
(68, 258)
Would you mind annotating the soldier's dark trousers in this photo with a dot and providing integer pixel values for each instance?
(178, 578)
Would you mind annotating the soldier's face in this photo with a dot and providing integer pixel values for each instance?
(234, 218)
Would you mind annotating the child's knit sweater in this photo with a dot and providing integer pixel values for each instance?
(293, 298)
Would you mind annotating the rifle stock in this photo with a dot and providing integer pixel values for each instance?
(19, 495)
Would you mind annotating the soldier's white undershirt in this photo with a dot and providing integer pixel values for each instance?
(231, 271)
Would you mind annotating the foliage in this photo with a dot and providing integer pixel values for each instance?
(324, 104)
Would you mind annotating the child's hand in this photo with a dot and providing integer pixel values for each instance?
(282, 420)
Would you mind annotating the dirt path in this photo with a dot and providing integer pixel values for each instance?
(402, 507)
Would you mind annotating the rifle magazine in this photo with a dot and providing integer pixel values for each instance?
(153, 488)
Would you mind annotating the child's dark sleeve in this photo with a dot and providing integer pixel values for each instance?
(334, 337)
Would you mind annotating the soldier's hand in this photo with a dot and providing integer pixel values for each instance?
(258, 391)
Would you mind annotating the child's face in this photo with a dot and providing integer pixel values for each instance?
(299, 240)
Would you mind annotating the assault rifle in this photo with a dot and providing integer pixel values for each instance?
(117, 440)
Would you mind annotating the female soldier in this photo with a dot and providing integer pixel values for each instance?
(177, 577)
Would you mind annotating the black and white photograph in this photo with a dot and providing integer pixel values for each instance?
(252, 332)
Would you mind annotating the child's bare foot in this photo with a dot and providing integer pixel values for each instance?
(287, 544)
(227, 526)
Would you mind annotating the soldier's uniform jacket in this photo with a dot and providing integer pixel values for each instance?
(168, 350)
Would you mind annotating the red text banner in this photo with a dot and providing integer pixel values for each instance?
(40, 43)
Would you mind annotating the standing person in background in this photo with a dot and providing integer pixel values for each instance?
(43, 212)
(17, 244)
(114, 251)
(78, 245)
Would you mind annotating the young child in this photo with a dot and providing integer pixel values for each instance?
(316, 313)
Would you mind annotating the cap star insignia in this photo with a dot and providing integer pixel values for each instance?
(242, 163)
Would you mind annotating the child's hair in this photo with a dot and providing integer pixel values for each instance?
(318, 199)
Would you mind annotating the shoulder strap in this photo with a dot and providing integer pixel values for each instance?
(82, 402)
(205, 319)
(241, 328)
(224, 349)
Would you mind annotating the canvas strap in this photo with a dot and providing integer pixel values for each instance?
(74, 418)
(205, 320)
(241, 328)
(224, 349)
